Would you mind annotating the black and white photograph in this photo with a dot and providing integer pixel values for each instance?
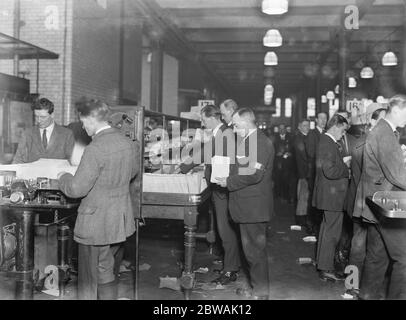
(201, 155)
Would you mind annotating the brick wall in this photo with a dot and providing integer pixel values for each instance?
(95, 52)
(47, 24)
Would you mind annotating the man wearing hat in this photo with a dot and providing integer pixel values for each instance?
(374, 113)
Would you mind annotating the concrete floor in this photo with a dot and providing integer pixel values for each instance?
(161, 247)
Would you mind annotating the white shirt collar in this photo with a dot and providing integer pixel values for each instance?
(49, 130)
(320, 129)
(327, 134)
(250, 132)
(216, 129)
(391, 124)
(102, 128)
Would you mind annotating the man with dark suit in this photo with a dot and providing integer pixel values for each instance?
(302, 172)
(311, 145)
(384, 170)
(105, 217)
(251, 203)
(330, 190)
(284, 172)
(46, 139)
(222, 144)
(374, 113)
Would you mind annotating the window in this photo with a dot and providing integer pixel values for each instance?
(311, 107)
(334, 104)
(288, 107)
(278, 105)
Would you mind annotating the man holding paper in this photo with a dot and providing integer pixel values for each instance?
(218, 154)
(105, 216)
(251, 202)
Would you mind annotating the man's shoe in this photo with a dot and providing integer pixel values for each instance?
(226, 277)
(353, 292)
(330, 276)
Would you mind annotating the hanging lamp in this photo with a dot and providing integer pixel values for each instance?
(367, 73)
(275, 6)
(389, 59)
(272, 38)
(271, 59)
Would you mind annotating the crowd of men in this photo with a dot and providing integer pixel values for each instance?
(327, 172)
(332, 173)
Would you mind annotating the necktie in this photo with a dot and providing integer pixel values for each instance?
(44, 139)
(397, 135)
(340, 147)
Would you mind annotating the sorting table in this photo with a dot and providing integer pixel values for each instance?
(184, 207)
(24, 216)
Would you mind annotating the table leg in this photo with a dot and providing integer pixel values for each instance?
(188, 276)
(63, 236)
(24, 289)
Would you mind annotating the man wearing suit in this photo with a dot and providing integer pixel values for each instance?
(374, 113)
(46, 139)
(221, 144)
(330, 190)
(227, 109)
(311, 144)
(384, 170)
(302, 172)
(251, 203)
(284, 174)
(105, 217)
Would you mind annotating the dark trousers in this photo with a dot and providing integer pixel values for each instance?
(227, 232)
(358, 245)
(98, 268)
(253, 238)
(329, 236)
(394, 236)
(375, 265)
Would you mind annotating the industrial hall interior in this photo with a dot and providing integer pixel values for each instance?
(202, 150)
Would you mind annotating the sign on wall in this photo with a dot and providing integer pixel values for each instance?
(203, 103)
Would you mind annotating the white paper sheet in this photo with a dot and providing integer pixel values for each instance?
(47, 168)
(220, 168)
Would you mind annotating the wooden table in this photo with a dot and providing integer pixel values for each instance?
(24, 216)
(180, 207)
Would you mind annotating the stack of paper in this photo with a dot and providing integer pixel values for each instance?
(46, 168)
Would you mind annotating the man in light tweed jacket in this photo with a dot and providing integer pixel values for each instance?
(105, 217)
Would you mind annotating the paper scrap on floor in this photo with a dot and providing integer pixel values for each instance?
(310, 239)
(220, 168)
(296, 228)
(170, 283)
(46, 168)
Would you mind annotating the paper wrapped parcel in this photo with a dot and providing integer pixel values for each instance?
(44, 168)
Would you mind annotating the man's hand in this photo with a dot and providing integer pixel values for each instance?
(222, 182)
(60, 174)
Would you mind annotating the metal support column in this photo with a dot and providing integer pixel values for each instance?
(343, 55)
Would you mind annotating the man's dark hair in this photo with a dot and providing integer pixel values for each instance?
(336, 120)
(211, 111)
(43, 104)
(376, 113)
(304, 120)
(93, 107)
(397, 100)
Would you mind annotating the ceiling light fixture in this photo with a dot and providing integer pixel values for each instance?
(275, 6)
(271, 59)
(389, 59)
(352, 82)
(330, 95)
(272, 38)
(367, 73)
